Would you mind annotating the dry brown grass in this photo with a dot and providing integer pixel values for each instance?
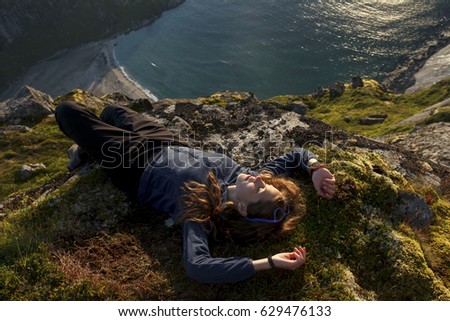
(118, 264)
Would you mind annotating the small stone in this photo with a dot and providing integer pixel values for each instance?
(426, 167)
(28, 170)
(15, 128)
(370, 121)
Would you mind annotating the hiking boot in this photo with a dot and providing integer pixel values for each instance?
(77, 157)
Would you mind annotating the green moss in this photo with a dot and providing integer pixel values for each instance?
(354, 251)
(427, 96)
(83, 98)
(284, 100)
(45, 144)
(213, 100)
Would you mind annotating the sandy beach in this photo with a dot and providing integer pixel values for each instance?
(90, 67)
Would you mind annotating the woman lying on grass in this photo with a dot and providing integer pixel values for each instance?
(209, 194)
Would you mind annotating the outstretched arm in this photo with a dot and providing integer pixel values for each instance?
(286, 261)
(306, 163)
(201, 266)
(287, 164)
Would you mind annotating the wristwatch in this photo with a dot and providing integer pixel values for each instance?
(313, 165)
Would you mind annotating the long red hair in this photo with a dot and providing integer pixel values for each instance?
(203, 205)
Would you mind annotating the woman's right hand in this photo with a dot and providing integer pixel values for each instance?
(324, 183)
(290, 260)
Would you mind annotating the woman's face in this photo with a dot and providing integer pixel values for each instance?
(252, 189)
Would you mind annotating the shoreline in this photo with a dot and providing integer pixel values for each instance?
(91, 67)
(435, 69)
(99, 74)
(407, 74)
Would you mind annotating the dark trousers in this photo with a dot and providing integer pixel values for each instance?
(122, 141)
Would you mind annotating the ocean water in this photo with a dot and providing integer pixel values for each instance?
(275, 47)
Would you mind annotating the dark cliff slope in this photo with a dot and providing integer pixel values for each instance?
(33, 30)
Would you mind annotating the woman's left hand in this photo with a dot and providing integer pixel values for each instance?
(324, 183)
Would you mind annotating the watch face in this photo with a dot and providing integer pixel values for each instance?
(313, 163)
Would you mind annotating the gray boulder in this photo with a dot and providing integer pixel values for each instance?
(297, 107)
(412, 209)
(29, 105)
(357, 82)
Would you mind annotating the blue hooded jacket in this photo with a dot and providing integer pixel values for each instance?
(162, 184)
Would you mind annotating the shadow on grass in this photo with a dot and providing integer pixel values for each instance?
(91, 242)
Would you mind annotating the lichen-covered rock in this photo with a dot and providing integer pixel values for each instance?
(251, 134)
(431, 142)
(92, 102)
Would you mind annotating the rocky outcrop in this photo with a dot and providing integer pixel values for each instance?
(28, 106)
(436, 68)
(431, 142)
(357, 82)
(402, 77)
(240, 126)
(337, 90)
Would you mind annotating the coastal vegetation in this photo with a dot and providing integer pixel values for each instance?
(346, 110)
(74, 236)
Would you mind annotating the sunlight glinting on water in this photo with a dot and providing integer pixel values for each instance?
(273, 47)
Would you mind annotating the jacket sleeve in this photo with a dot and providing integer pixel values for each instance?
(199, 264)
(287, 164)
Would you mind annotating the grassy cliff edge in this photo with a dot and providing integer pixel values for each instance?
(76, 237)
